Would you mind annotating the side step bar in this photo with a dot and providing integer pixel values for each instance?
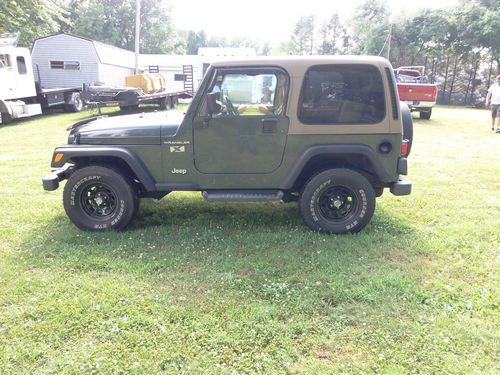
(243, 195)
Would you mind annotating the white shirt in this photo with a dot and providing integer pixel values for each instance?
(495, 93)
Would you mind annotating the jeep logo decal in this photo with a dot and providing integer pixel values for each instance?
(178, 171)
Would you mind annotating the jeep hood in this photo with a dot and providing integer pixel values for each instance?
(137, 129)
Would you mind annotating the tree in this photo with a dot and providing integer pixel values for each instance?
(113, 22)
(333, 34)
(33, 18)
(265, 49)
(195, 40)
(303, 36)
(370, 27)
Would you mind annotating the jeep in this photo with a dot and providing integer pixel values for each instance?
(328, 132)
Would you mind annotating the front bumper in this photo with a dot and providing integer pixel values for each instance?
(401, 187)
(51, 181)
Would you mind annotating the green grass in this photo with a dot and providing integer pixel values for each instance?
(196, 287)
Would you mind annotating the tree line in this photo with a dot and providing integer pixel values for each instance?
(459, 47)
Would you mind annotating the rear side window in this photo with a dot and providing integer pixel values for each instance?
(342, 94)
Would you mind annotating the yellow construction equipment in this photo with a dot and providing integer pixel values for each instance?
(150, 83)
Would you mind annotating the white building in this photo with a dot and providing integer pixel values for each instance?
(64, 60)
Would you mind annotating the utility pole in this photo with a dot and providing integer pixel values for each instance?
(137, 33)
(389, 37)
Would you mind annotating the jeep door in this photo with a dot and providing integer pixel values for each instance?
(241, 126)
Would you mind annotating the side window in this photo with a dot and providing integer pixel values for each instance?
(4, 61)
(342, 94)
(21, 65)
(256, 93)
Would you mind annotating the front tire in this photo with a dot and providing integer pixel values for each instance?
(97, 198)
(6, 118)
(337, 201)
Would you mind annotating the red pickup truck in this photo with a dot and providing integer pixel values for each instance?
(414, 91)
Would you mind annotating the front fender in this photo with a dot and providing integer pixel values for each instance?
(67, 154)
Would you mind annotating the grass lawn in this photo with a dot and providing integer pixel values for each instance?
(196, 287)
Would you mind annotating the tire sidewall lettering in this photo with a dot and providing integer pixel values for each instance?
(77, 185)
(313, 206)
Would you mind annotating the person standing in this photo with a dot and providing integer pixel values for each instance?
(493, 99)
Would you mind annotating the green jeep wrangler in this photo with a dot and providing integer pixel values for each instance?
(329, 132)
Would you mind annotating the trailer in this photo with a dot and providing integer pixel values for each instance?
(129, 98)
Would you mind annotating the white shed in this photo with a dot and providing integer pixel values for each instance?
(64, 60)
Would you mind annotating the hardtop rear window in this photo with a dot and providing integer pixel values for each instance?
(342, 94)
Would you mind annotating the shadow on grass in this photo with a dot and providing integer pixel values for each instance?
(229, 264)
(185, 228)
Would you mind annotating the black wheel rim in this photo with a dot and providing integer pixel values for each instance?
(338, 203)
(98, 200)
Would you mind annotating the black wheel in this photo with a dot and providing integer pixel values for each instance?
(75, 103)
(407, 125)
(6, 118)
(337, 201)
(426, 115)
(165, 103)
(98, 198)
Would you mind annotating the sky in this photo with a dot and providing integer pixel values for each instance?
(271, 20)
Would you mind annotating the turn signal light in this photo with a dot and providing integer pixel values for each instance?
(404, 148)
(58, 157)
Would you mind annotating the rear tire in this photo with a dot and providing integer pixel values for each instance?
(426, 115)
(337, 201)
(98, 198)
(165, 103)
(76, 103)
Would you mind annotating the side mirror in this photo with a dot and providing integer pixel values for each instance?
(212, 105)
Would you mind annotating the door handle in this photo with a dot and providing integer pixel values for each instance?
(269, 125)
(205, 123)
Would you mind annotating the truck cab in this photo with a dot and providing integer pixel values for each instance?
(17, 91)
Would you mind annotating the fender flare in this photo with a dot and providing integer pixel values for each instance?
(344, 149)
(407, 124)
(131, 159)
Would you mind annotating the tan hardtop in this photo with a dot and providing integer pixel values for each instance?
(298, 64)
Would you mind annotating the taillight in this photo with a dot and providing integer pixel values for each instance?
(404, 148)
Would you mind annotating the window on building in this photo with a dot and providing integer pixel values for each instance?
(71, 65)
(342, 94)
(21, 65)
(57, 65)
(66, 65)
(179, 77)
